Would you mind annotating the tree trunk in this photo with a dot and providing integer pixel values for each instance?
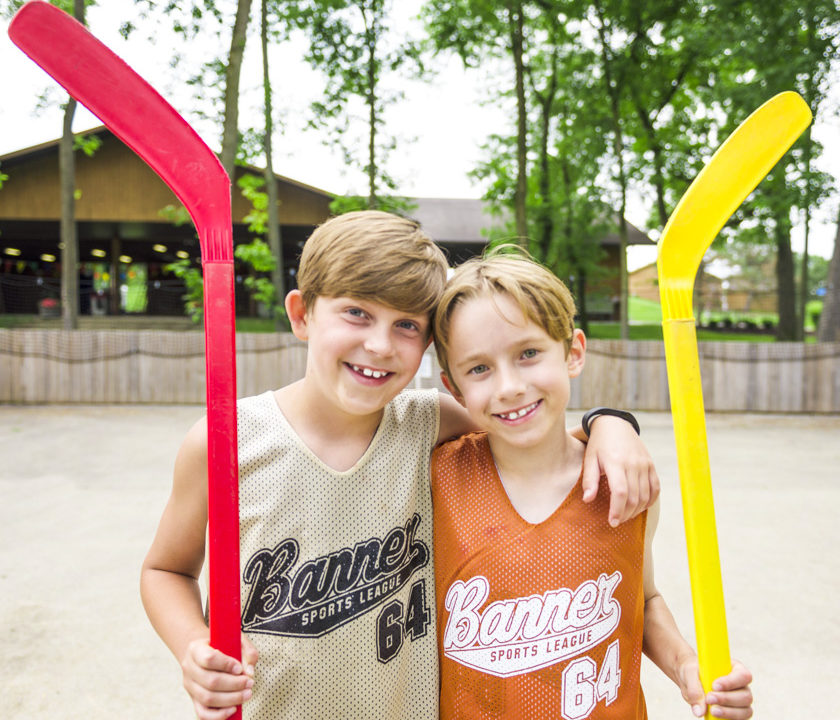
(786, 287)
(545, 220)
(829, 329)
(521, 191)
(371, 103)
(69, 239)
(230, 131)
(612, 89)
(810, 94)
(699, 289)
(67, 182)
(803, 280)
(275, 239)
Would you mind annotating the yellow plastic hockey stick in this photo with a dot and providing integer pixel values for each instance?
(733, 172)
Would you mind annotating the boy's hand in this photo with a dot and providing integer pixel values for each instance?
(730, 697)
(217, 683)
(615, 450)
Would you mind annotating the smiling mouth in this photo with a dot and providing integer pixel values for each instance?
(517, 414)
(369, 372)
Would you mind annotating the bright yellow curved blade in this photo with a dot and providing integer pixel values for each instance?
(732, 173)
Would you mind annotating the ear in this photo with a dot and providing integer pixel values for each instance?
(296, 312)
(577, 353)
(449, 385)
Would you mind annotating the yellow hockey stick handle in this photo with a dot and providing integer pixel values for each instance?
(685, 386)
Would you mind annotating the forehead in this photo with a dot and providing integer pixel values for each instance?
(482, 318)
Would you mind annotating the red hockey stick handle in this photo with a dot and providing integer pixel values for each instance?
(223, 495)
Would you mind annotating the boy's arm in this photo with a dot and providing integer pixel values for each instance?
(614, 449)
(454, 420)
(668, 649)
(169, 587)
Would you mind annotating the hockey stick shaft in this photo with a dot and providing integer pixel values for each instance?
(731, 174)
(141, 118)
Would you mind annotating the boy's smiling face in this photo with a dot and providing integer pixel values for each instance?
(509, 374)
(361, 353)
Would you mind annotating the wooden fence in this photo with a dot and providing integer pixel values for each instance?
(106, 366)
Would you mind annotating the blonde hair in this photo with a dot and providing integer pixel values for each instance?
(373, 255)
(508, 270)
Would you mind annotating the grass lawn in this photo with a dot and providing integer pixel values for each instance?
(644, 312)
(646, 324)
(612, 331)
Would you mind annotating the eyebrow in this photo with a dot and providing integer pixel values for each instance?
(523, 344)
(472, 358)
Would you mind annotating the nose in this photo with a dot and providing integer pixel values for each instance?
(509, 382)
(379, 342)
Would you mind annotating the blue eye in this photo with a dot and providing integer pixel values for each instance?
(408, 325)
(478, 370)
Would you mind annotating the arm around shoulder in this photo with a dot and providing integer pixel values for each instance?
(614, 449)
(454, 420)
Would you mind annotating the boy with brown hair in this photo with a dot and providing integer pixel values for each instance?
(335, 506)
(543, 608)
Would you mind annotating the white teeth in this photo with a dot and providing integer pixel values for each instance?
(516, 414)
(367, 372)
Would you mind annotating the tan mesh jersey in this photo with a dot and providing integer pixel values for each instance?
(534, 621)
(337, 575)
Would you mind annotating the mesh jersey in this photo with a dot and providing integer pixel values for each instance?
(337, 577)
(534, 621)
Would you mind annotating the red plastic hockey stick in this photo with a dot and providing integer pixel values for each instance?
(144, 121)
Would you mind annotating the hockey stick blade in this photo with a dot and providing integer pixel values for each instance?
(731, 174)
(132, 109)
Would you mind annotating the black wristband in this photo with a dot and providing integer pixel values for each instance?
(590, 415)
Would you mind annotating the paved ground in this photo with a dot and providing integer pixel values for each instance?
(81, 490)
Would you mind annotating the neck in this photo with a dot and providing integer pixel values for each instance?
(538, 479)
(554, 455)
(338, 438)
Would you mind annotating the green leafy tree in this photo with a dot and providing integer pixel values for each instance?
(771, 48)
(275, 240)
(352, 44)
(218, 81)
(566, 215)
(482, 30)
(67, 180)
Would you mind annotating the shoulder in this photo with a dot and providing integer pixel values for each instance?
(255, 404)
(420, 408)
(190, 473)
(459, 463)
(470, 447)
(414, 399)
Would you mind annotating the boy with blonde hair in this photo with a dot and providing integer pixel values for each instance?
(337, 582)
(543, 608)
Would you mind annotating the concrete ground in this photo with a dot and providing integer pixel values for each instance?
(81, 490)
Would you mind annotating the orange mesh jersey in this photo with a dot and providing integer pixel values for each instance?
(534, 621)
